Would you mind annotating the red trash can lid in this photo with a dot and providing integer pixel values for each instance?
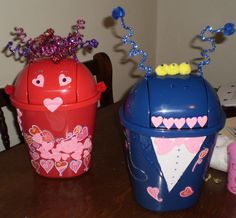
(46, 85)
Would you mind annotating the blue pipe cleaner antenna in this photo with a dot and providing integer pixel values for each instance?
(119, 13)
(227, 30)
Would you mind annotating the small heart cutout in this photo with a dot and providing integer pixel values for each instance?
(38, 81)
(202, 120)
(75, 165)
(154, 192)
(156, 121)
(179, 122)
(61, 166)
(188, 191)
(168, 122)
(47, 165)
(52, 104)
(64, 80)
(191, 122)
(34, 130)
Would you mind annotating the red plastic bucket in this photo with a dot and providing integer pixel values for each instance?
(56, 109)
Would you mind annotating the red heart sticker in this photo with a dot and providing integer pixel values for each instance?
(188, 191)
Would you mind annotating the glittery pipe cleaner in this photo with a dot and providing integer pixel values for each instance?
(227, 30)
(49, 45)
(119, 13)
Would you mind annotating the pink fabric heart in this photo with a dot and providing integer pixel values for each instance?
(168, 122)
(179, 122)
(154, 192)
(156, 121)
(191, 122)
(52, 104)
(202, 120)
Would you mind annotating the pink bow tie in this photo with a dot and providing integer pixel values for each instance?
(165, 145)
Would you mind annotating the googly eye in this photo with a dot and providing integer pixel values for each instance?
(64, 80)
(38, 81)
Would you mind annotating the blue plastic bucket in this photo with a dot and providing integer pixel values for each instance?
(171, 126)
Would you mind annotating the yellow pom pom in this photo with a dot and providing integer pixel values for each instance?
(173, 69)
(184, 68)
(162, 70)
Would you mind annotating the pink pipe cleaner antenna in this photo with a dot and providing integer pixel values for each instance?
(49, 45)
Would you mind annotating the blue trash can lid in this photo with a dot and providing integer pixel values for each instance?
(173, 106)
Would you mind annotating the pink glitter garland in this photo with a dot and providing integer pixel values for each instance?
(48, 45)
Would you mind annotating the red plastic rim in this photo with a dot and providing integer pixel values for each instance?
(73, 106)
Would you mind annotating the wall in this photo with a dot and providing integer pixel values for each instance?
(36, 16)
(178, 23)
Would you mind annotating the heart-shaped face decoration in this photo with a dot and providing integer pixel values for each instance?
(52, 104)
(38, 81)
(64, 80)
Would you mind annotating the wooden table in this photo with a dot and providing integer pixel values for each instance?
(104, 191)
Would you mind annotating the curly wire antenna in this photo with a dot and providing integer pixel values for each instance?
(49, 45)
(119, 13)
(227, 30)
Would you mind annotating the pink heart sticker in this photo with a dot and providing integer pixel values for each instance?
(34, 155)
(64, 80)
(83, 134)
(202, 120)
(179, 122)
(61, 166)
(156, 121)
(188, 191)
(154, 192)
(75, 165)
(168, 122)
(191, 122)
(38, 81)
(35, 164)
(47, 165)
(52, 104)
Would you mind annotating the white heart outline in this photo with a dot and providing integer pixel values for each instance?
(60, 78)
(39, 77)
